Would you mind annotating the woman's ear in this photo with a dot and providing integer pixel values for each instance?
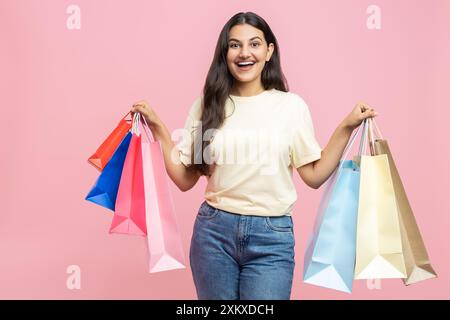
(270, 50)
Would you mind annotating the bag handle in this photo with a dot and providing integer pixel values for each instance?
(364, 138)
(372, 136)
(347, 149)
(123, 118)
(373, 124)
(350, 144)
(146, 128)
(135, 125)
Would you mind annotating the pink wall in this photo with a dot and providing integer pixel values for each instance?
(63, 90)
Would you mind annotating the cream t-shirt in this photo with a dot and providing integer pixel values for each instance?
(254, 152)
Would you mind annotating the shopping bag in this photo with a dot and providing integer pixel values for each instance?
(104, 153)
(418, 266)
(330, 255)
(163, 236)
(129, 215)
(379, 251)
(104, 191)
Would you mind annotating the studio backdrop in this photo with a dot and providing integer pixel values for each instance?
(70, 70)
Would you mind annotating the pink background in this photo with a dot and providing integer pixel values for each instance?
(63, 91)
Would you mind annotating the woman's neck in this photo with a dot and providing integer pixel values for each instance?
(247, 89)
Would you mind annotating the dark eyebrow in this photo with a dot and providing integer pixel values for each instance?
(232, 39)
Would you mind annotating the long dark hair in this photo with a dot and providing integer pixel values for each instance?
(219, 82)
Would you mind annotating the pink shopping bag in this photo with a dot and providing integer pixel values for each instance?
(129, 215)
(163, 237)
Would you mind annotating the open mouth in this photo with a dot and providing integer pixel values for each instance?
(245, 66)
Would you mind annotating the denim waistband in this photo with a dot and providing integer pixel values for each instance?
(205, 203)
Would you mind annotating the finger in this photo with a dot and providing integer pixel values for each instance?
(138, 108)
(360, 104)
(364, 107)
(370, 113)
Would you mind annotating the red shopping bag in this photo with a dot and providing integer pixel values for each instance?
(104, 153)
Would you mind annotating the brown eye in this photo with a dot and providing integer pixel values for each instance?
(256, 44)
(233, 45)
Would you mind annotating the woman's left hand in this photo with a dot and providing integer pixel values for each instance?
(360, 112)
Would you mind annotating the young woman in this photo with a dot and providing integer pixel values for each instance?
(243, 243)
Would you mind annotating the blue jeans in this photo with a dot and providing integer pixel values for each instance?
(235, 256)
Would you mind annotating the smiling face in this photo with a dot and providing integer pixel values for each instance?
(247, 53)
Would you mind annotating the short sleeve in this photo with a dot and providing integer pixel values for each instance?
(304, 147)
(184, 146)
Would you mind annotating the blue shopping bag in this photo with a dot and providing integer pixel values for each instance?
(330, 255)
(104, 191)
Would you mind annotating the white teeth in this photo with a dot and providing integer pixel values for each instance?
(245, 63)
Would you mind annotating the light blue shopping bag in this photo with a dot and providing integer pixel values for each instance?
(330, 255)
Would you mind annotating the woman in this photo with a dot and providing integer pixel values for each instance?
(243, 243)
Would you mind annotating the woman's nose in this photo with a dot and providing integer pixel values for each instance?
(245, 53)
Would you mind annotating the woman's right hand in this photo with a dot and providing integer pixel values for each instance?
(146, 111)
